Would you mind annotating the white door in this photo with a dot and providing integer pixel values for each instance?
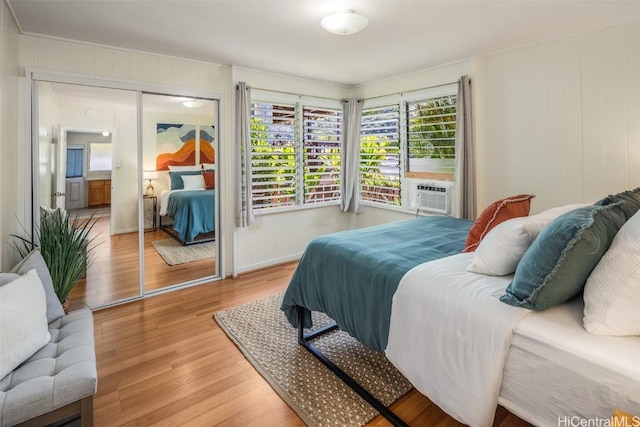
(59, 171)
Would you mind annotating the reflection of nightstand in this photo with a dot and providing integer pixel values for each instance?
(154, 210)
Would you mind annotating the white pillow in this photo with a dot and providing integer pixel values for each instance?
(500, 251)
(193, 182)
(612, 291)
(502, 248)
(174, 168)
(23, 321)
(209, 166)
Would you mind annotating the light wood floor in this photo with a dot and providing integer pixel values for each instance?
(164, 361)
(114, 274)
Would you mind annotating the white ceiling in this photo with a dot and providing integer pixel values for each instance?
(284, 36)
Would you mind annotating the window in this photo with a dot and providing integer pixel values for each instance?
(321, 154)
(431, 136)
(380, 155)
(273, 155)
(295, 154)
(99, 156)
(75, 161)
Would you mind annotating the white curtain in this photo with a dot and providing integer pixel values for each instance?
(244, 208)
(465, 156)
(349, 170)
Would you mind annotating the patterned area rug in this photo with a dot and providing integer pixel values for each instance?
(174, 253)
(268, 341)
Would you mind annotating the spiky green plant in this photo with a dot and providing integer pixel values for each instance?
(65, 245)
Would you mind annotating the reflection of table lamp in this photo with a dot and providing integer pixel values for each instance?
(150, 175)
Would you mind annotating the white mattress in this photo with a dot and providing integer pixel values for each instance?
(556, 368)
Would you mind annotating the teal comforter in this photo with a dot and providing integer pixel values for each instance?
(193, 212)
(352, 275)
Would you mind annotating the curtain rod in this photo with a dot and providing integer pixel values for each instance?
(295, 94)
(412, 90)
(366, 99)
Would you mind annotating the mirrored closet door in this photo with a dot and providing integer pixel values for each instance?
(179, 192)
(142, 168)
(87, 159)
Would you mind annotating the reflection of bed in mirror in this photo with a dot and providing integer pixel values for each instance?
(192, 213)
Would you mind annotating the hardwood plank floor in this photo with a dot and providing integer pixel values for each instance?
(163, 361)
(114, 274)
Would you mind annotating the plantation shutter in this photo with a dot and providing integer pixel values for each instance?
(431, 133)
(273, 155)
(380, 155)
(321, 154)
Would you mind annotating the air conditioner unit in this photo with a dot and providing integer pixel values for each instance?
(434, 197)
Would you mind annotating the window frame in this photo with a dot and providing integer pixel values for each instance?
(301, 102)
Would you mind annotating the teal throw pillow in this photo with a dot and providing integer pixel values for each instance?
(176, 178)
(556, 266)
(630, 201)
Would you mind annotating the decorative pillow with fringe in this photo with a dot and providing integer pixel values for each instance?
(556, 266)
(497, 212)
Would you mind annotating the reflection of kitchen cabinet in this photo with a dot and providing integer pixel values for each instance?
(99, 192)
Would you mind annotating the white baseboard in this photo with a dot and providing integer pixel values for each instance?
(269, 263)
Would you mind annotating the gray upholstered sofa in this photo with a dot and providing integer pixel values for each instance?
(52, 381)
(56, 383)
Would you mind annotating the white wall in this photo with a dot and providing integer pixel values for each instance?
(561, 119)
(10, 180)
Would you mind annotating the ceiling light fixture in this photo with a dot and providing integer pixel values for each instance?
(193, 103)
(344, 23)
(106, 133)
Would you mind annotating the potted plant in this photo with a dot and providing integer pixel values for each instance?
(65, 245)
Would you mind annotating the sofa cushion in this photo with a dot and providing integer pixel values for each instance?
(23, 321)
(60, 373)
(556, 265)
(35, 260)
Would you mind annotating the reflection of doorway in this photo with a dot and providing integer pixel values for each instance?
(75, 183)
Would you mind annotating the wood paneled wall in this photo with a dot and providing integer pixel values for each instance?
(561, 119)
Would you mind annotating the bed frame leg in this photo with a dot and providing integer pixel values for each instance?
(304, 340)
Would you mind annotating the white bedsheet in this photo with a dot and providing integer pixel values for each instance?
(557, 369)
(456, 355)
(164, 198)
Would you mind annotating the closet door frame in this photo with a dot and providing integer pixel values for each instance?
(28, 142)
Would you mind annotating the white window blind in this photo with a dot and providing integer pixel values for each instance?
(321, 154)
(380, 155)
(273, 155)
(431, 134)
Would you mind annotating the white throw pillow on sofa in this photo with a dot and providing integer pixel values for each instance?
(499, 253)
(23, 321)
(612, 291)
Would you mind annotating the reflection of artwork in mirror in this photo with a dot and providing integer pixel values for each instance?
(207, 153)
(176, 145)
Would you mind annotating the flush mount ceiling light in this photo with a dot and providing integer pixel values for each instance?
(344, 23)
(193, 103)
(106, 133)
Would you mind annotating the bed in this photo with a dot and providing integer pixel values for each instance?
(192, 212)
(471, 351)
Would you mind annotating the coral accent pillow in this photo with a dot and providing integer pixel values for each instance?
(209, 180)
(497, 212)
